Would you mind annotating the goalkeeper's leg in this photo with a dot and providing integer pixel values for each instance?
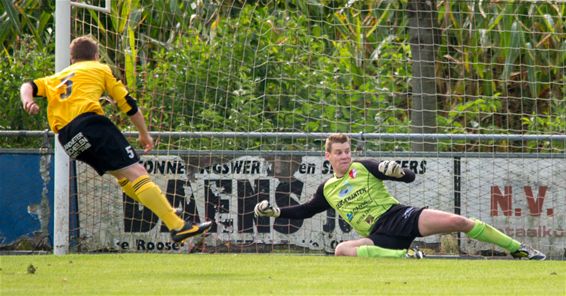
(487, 233)
(365, 247)
(379, 252)
(433, 222)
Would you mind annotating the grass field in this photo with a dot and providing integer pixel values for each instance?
(249, 274)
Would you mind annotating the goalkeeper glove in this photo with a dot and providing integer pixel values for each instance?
(263, 208)
(391, 169)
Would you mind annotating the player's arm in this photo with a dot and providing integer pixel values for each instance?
(314, 206)
(26, 95)
(389, 170)
(128, 105)
(144, 137)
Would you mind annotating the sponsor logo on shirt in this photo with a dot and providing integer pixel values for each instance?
(353, 173)
(350, 216)
(345, 190)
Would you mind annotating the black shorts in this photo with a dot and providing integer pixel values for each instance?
(397, 227)
(95, 140)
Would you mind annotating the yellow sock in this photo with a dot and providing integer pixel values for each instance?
(150, 196)
(128, 189)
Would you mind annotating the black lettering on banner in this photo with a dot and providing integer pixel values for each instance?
(148, 165)
(326, 167)
(307, 168)
(213, 201)
(418, 167)
(248, 197)
(252, 167)
(255, 167)
(159, 167)
(345, 227)
(220, 169)
(178, 199)
(413, 166)
(164, 167)
(142, 245)
(236, 167)
(283, 199)
(422, 167)
(330, 221)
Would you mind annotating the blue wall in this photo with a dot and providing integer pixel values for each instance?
(20, 186)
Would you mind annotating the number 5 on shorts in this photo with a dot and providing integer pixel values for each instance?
(130, 151)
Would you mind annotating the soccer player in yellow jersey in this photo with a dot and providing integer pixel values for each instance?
(358, 194)
(75, 114)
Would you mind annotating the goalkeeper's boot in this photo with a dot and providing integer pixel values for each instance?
(415, 253)
(528, 252)
(190, 230)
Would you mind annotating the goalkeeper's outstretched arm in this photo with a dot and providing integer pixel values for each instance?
(314, 206)
(389, 170)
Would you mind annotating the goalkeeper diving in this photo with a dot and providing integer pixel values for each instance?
(359, 196)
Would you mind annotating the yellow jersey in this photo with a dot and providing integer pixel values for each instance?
(77, 89)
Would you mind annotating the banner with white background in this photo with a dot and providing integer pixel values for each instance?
(523, 197)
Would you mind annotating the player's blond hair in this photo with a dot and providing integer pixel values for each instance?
(84, 48)
(335, 138)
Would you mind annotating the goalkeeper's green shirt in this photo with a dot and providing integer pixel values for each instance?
(360, 196)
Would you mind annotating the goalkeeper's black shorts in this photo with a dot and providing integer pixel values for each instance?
(397, 227)
(95, 140)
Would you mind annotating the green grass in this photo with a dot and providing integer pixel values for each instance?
(243, 274)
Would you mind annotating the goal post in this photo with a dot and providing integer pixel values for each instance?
(240, 97)
(61, 160)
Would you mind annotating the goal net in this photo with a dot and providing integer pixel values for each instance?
(240, 96)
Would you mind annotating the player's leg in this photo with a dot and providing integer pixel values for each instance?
(127, 188)
(434, 222)
(149, 194)
(364, 247)
(95, 140)
(391, 236)
(348, 248)
(487, 233)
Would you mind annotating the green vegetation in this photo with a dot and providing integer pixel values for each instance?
(248, 274)
(288, 66)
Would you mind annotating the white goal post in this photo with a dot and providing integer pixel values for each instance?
(61, 162)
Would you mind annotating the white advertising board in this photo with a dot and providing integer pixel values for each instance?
(502, 192)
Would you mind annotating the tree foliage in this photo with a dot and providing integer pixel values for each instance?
(316, 66)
